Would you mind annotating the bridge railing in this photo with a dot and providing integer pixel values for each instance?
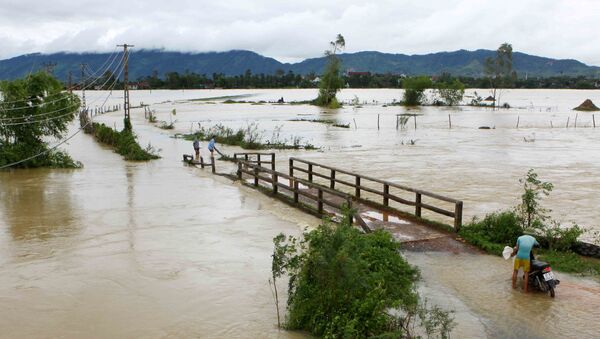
(312, 192)
(361, 183)
(257, 158)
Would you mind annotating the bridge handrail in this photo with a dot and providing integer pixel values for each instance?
(254, 170)
(458, 204)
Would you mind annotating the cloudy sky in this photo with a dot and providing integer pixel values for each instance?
(294, 30)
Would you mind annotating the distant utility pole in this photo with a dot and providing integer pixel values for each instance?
(49, 67)
(126, 84)
(82, 86)
(70, 82)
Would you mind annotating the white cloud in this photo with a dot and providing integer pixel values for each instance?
(293, 30)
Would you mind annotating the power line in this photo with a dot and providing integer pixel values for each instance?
(46, 151)
(83, 87)
(49, 102)
(59, 110)
(55, 146)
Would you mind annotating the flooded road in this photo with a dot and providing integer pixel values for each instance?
(159, 249)
(135, 250)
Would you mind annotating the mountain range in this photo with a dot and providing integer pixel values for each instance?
(235, 62)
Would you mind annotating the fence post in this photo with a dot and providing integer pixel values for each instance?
(275, 180)
(239, 170)
(332, 184)
(386, 192)
(310, 173)
(212, 164)
(295, 191)
(320, 201)
(273, 161)
(349, 206)
(357, 188)
(458, 208)
(258, 159)
(235, 157)
(418, 205)
(201, 162)
(255, 176)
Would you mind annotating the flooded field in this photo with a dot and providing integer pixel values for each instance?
(159, 249)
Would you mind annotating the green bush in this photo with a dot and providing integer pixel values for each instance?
(345, 284)
(414, 90)
(123, 143)
(499, 227)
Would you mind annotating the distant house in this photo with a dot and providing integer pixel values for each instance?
(316, 80)
(353, 73)
(139, 85)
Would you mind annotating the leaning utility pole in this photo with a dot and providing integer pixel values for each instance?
(82, 86)
(84, 121)
(126, 84)
(70, 82)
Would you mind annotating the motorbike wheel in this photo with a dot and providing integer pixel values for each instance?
(551, 291)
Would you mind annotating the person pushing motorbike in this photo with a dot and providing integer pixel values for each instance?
(523, 252)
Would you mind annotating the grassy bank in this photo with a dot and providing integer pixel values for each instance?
(500, 229)
(124, 143)
(249, 137)
(557, 241)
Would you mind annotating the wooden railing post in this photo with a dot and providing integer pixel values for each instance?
(239, 170)
(291, 169)
(255, 176)
(258, 158)
(295, 191)
(332, 184)
(357, 188)
(310, 172)
(458, 209)
(273, 161)
(275, 180)
(418, 205)
(320, 201)
(201, 162)
(386, 192)
(212, 164)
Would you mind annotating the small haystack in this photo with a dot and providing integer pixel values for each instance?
(588, 106)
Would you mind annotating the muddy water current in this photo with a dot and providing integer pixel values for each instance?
(158, 249)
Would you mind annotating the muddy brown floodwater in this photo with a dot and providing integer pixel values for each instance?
(158, 249)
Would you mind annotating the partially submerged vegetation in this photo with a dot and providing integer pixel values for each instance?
(346, 284)
(502, 228)
(331, 82)
(249, 137)
(331, 122)
(31, 110)
(124, 143)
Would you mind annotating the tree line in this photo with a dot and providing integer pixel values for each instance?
(281, 79)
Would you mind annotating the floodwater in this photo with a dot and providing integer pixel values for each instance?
(158, 249)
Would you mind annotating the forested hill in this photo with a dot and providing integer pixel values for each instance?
(148, 62)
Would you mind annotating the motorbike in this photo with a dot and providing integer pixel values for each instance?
(541, 276)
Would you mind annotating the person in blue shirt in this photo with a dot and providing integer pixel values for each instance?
(211, 146)
(523, 251)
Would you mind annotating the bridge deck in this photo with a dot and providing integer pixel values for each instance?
(405, 230)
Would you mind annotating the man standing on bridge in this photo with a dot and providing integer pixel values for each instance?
(523, 251)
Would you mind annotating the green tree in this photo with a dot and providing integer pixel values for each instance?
(343, 284)
(451, 92)
(331, 82)
(414, 90)
(32, 110)
(499, 71)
